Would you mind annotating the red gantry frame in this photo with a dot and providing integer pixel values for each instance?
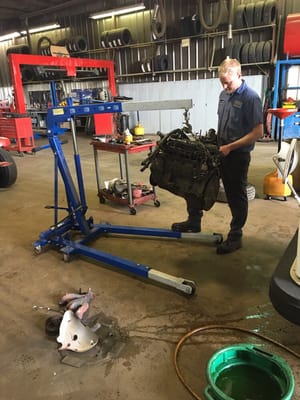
(18, 126)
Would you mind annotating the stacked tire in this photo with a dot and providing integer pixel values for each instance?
(116, 38)
(250, 53)
(189, 25)
(74, 44)
(158, 63)
(261, 13)
(18, 49)
(161, 62)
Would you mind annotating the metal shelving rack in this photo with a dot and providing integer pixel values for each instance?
(186, 61)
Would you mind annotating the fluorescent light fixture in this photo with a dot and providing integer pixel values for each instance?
(9, 36)
(118, 11)
(42, 28)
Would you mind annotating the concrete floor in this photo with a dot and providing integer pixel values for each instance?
(232, 290)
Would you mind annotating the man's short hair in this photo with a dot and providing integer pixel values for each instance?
(230, 66)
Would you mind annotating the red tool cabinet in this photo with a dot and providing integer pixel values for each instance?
(19, 131)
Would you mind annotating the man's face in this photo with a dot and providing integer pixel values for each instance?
(230, 82)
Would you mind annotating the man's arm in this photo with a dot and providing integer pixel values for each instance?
(250, 138)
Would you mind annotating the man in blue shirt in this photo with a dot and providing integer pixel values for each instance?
(240, 125)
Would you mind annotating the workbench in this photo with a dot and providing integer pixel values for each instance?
(123, 151)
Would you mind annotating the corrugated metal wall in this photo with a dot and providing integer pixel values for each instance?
(203, 92)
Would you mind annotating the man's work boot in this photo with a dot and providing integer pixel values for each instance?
(188, 226)
(229, 246)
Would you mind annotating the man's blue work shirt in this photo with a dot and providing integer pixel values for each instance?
(238, 113)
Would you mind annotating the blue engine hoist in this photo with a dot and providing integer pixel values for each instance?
(60, 234)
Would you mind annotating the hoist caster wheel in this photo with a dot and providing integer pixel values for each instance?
(102, 200)
(38, 250)
(192, 286)
(219, 241)
(157, 203)
(66, 258)
(132, 211)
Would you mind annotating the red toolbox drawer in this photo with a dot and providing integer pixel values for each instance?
(19, 131)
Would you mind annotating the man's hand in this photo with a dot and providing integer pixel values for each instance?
(225, 149)
(246, 140)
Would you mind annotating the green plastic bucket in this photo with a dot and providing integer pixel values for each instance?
(244, 372)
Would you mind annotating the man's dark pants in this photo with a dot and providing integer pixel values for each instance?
(234, 172)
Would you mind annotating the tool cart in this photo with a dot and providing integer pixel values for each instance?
(125, 150)
(123, 191)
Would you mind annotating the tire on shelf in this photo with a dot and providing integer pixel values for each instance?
(252, 53)
(79, 43)
(269, 12)
(258, 13)
(74, 44)
(190, 25)
(259, 52)
(244, 53)
(104, 39)
(19, 49)
(29, 73)
(186, 26)
(239, 17)
(125, 36)
(236, 51)
(114, 39)
(219, 56)
(117, 37)
(147, 65)
(136, 67)
(249, 14)
(161, 62)
(267, 51)
(197, 29)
